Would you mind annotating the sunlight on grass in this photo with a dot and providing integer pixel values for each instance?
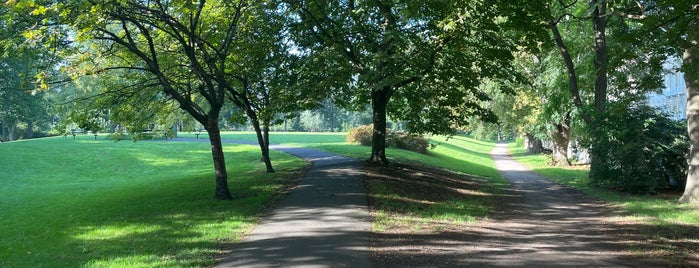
(105, 232)
(73, 203)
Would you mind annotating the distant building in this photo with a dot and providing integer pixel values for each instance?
(673, 99)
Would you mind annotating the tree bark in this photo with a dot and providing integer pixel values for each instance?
(690, 66)
(573, 87)
(533, 144)
(561, 138)
(379, 103)
(11, 131)
(29, 133)
(222, 192)
(262, 138)
(3, 129)
(599, 27)
(265, 137)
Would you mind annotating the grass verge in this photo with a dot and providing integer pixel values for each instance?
(455, 183)
(98, 203)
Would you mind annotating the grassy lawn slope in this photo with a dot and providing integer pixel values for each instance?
(73, 203)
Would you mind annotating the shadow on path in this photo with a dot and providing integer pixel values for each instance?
(537, 224)
(323, 222)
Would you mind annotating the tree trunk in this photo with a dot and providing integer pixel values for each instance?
(11, 131)
(533, 144)
(3, 129)
(599, 27)
(222, 191)
(29, 133)
(690, 66)
(262, 138)
(265, 156)
(561, 138)
(379, 102)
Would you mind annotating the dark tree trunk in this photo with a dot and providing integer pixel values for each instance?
(599, 27)
(30, 130)
(222, 191)
(3, 129)
(534, 145)
(262, 138)
(690, 65)
(265, 152)
(379, 103)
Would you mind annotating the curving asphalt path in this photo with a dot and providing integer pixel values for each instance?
(323, 222)
(551, 225)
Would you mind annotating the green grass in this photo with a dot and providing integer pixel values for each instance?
(459, 153)
(87, 203)
(435, 202)
(464, 155)
(652, 209)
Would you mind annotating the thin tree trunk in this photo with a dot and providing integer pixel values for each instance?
(690, 67)
(222, 192)
(265, 137)
(262, 138)
(379, 102)
(570, 68)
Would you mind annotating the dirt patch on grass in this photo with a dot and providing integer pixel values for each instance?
(534, 223)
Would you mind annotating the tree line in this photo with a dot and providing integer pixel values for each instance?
(546, 69)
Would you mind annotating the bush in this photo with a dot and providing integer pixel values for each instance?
(639, 150)
(402, 140)
(361, 135)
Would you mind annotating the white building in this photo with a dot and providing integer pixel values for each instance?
(673, 98)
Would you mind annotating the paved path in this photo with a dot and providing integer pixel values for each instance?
(551, 225)
(323, 222)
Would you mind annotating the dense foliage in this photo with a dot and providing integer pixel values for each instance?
(643, 150)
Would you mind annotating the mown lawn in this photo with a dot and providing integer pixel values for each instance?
(458, 153)
(464, 195)
(100, 203)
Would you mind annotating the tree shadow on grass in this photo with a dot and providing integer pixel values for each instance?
(409, 193)
(538, 224)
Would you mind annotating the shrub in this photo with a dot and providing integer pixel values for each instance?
(402, 140)
(639, 150)
(412, 142)
(361, 135)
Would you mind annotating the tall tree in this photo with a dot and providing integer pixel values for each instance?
(266, 72)
(690, 66)
(419, 61)
(672, 27)
(199, 55)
